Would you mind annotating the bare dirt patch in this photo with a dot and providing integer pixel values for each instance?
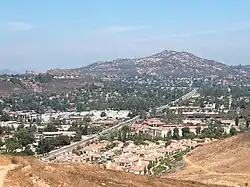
(224, 162)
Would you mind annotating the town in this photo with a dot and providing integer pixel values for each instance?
(146, 138)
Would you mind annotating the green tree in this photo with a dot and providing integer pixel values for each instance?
(1, 130)
(237, 121)
(167, 143)
(103, 114)
(27, 151)
(85, 129)
(143, 114)
(1, 143)
(198, 130)
(185, 132)
(24, 137)
(247, 123)
(77, 137)
(176, 135)
(61, 140)
(50, 128)
(44, 78)
(169, 134)
(233, 131)
(44, 146)
(125, 130)
(12, 144)
(153, 113)
(5, 117)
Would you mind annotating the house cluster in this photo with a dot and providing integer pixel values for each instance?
(158, 128)
(101, 119)
(155, 127)
(68, 117)
(127, 156)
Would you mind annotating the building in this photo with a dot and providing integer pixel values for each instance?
(58, 133)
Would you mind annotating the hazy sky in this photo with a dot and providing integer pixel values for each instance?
(60, 33)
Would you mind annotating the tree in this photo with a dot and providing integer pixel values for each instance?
(1, 143)
(185, 132)
(103, 114)
(213, 131)
(247, 123)
(237, 121)
(20, 127)
(12, 145)
(206, 133)
(219, 131)
(125, 130)
(198, 130)
(50, 128)
(167, 143)
(5, 117)
(85, 129)
(24, 137)
(233, 131)
(169, 134)
(32, 128)
(44, 78)
(27, 151)
(1, 130)
(77, 137)
(143, 114)
(202, 105)
(132, 114)
(62, 140)
(44, 146)
(145, 171)
(176, 134)
(150, 165)
(153, 112)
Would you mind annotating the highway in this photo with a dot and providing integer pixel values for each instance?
(69, 148)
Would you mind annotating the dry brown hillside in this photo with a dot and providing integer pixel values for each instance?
(223, 162)
(30, 172)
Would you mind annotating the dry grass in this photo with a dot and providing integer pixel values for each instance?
(223, 162)
(4, 161)
(32, 172)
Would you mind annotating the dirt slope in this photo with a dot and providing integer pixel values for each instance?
(224, 162)
(31, 172)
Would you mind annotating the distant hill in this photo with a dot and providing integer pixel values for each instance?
(31, 172)
(222, 162)
(165, 63)
(7, 72)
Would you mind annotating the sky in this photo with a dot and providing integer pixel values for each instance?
(40, 35)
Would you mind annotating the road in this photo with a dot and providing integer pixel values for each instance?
(70, 147)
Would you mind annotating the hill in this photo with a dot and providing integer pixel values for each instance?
(31, 172)
(222, 162)
(7, 72)
(165, 63)
(7, 87)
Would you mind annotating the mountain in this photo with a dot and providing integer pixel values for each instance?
(165, 63)
(30, 172)
(221, 162)
(7, 72)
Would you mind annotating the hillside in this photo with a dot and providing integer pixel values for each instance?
(30, 172)
(222, 162)
(165, 63)
(7, 87)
